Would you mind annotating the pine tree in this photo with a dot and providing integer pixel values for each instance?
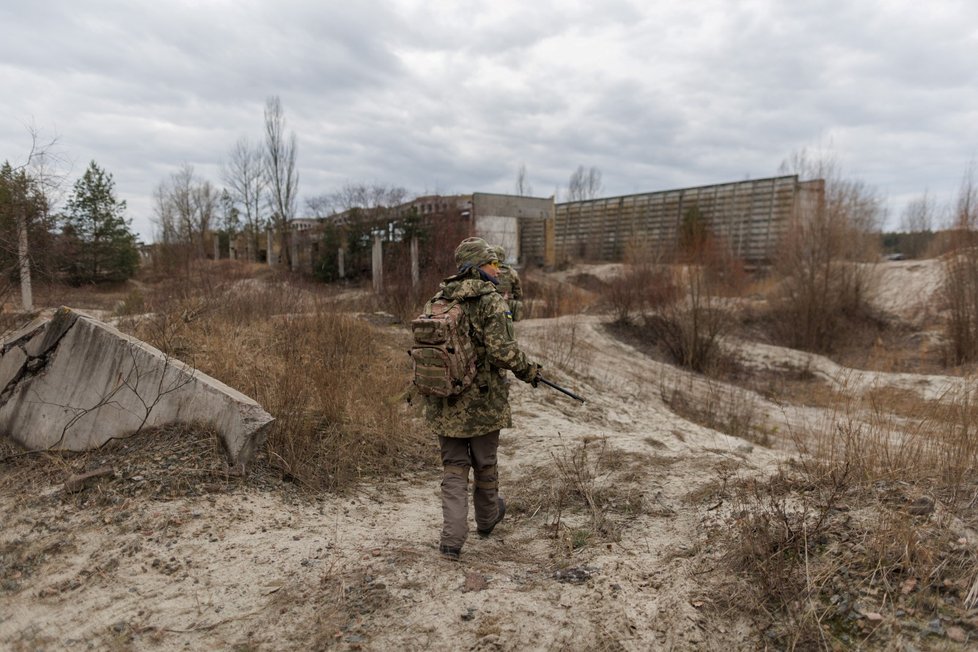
(100, 246)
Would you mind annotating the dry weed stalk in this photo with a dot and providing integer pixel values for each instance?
(867, 520)
(730, 410)
(548, 298)
(564, 349)
(691, 327)
(333, 384)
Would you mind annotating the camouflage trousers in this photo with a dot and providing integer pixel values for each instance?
(457, 455)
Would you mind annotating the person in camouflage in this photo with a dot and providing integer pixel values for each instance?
(509, 284)
(467, 424)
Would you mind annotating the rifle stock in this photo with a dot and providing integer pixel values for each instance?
(559, 388)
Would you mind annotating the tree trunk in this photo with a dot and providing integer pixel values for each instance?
(26, 293)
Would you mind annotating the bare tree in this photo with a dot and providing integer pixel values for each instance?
(966, 207)
(369, 200)
(320, 205)
(821, 258)
(244, 176)
(205, 198)
(523, 187)
(281, 175)
(31, 186)
(165, 216)
(960, 286)
(186, 207)
(584, 184)
(917, 223)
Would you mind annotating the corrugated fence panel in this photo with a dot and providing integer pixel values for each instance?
(749, 215)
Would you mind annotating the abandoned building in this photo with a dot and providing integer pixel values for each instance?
(750, 216)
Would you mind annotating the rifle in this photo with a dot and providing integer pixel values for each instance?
(559, 388)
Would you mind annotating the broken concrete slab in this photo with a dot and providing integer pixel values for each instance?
(11, 365)
(76, 383)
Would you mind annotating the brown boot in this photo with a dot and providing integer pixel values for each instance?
(450, 553)
(502, 512)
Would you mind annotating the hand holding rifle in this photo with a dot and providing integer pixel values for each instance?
(537, 377)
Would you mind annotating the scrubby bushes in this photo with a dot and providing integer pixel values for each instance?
(823, 264)
(334, 385)
(960, 289)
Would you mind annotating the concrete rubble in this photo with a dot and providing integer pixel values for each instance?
(74, 383)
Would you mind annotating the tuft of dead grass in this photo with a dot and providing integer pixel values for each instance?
(867, 538)
(587, 494)
(335, 384)
(546, 298)
(724, 408)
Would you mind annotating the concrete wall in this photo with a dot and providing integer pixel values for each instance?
(530, 216)
(74, 383)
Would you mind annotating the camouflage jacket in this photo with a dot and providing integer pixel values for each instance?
(484, 405)
(511, 289)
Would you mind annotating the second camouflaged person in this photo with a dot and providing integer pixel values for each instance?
(509, 284)
(468, 423)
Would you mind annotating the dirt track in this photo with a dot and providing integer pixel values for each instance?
(254, 565)
(259, 566)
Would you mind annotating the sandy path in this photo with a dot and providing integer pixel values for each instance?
(252, 568)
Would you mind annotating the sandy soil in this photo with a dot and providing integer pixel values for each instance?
(231, 564)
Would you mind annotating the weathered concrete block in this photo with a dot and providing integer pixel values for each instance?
(80, 382)
(11, 364)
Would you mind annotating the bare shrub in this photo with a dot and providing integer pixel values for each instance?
(960, 288)
(690, 327)
(638, 289)
(776, 531)
(730, 410)
(585, 494)
(549, 298)
(824, 259)
(335, 387)
(563, 347)
(867, 521)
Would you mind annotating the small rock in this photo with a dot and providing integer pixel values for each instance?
(81, 481)
(956, 634)
(922, 506)
(573, 575)
(474, 582)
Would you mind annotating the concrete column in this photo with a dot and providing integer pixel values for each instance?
(549, 242)
(339, 263)
(377, 264)
(271, 253)
(415, 266)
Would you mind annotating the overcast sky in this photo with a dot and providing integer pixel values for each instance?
(453, 97)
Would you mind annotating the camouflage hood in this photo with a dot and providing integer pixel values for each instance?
(465, 286)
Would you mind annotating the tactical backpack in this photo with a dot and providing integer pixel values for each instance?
(443, 353)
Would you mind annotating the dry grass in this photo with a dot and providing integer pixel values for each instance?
(587, 495)
(545, 298)
(724, 408)
(865, 540)
(564, 349)
(336, 384)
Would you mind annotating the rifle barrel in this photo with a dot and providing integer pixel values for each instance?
(560, 389)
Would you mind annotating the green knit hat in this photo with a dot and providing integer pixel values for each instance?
(474, 252)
